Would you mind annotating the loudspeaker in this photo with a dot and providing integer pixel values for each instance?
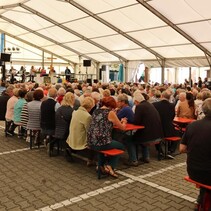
(5, 57)
(209, 85)
(86, 63)
(103, 67)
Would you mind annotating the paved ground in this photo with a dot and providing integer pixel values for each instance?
(30, 180)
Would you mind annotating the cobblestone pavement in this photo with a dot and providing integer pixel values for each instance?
(30, 180)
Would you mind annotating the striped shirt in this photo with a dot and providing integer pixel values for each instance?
(24, 116)
(34, 115)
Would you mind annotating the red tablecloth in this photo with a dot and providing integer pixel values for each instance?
(131, 127)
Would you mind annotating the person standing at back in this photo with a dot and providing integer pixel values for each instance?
(32, 73)
(67, 74)
(199, 82)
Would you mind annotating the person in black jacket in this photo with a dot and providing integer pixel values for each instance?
(63, 118)
(67, 74)
(166, 111)
(196, 142)
(147, 116)
(48, 122)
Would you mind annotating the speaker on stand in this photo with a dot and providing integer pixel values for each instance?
(87, 63)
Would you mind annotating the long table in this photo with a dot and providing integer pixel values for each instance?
(181, 123)
(182, 120)
(131, 127)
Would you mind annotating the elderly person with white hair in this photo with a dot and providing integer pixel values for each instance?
(137, 98)
(63, 118)
(96, 96)
(86, 93)
(60, 94)
(185, 107)
(148, 116)
(181, 98)
(48, 111)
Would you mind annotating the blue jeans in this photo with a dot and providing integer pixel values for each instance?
(111, 160)
(131, 148)
(145, 151)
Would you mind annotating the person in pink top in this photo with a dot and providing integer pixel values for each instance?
(9, 116)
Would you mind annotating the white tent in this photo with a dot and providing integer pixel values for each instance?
(157, 32)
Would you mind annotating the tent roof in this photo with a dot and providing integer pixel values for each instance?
(152, 31)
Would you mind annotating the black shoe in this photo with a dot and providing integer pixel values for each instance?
(160, 156)
(145, 160)
(68, 155)
(131, 163)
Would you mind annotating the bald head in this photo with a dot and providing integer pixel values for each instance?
(52, 92)
(166, 94)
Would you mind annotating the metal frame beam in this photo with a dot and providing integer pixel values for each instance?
(36, 46)
(43, 36)
(208, 60)
(75, 4)
(172, 25)
(72, 32)
(9, 6)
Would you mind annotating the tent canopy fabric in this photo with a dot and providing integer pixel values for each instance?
(177, 33)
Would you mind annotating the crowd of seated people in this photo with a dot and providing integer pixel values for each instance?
(70, 114)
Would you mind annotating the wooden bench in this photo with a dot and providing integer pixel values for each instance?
(148, 144)
(166, 140)
(205, 202)
(198, 184)
(109, 152)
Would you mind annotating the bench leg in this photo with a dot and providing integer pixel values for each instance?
(137, 151)
(166, 148)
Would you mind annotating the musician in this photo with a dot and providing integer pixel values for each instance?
(23, 74)
(32, 73)
(12, 74)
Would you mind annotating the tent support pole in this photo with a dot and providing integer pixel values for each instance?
(208, 59)
(162, 70)
(162, 64)
(126, 72)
